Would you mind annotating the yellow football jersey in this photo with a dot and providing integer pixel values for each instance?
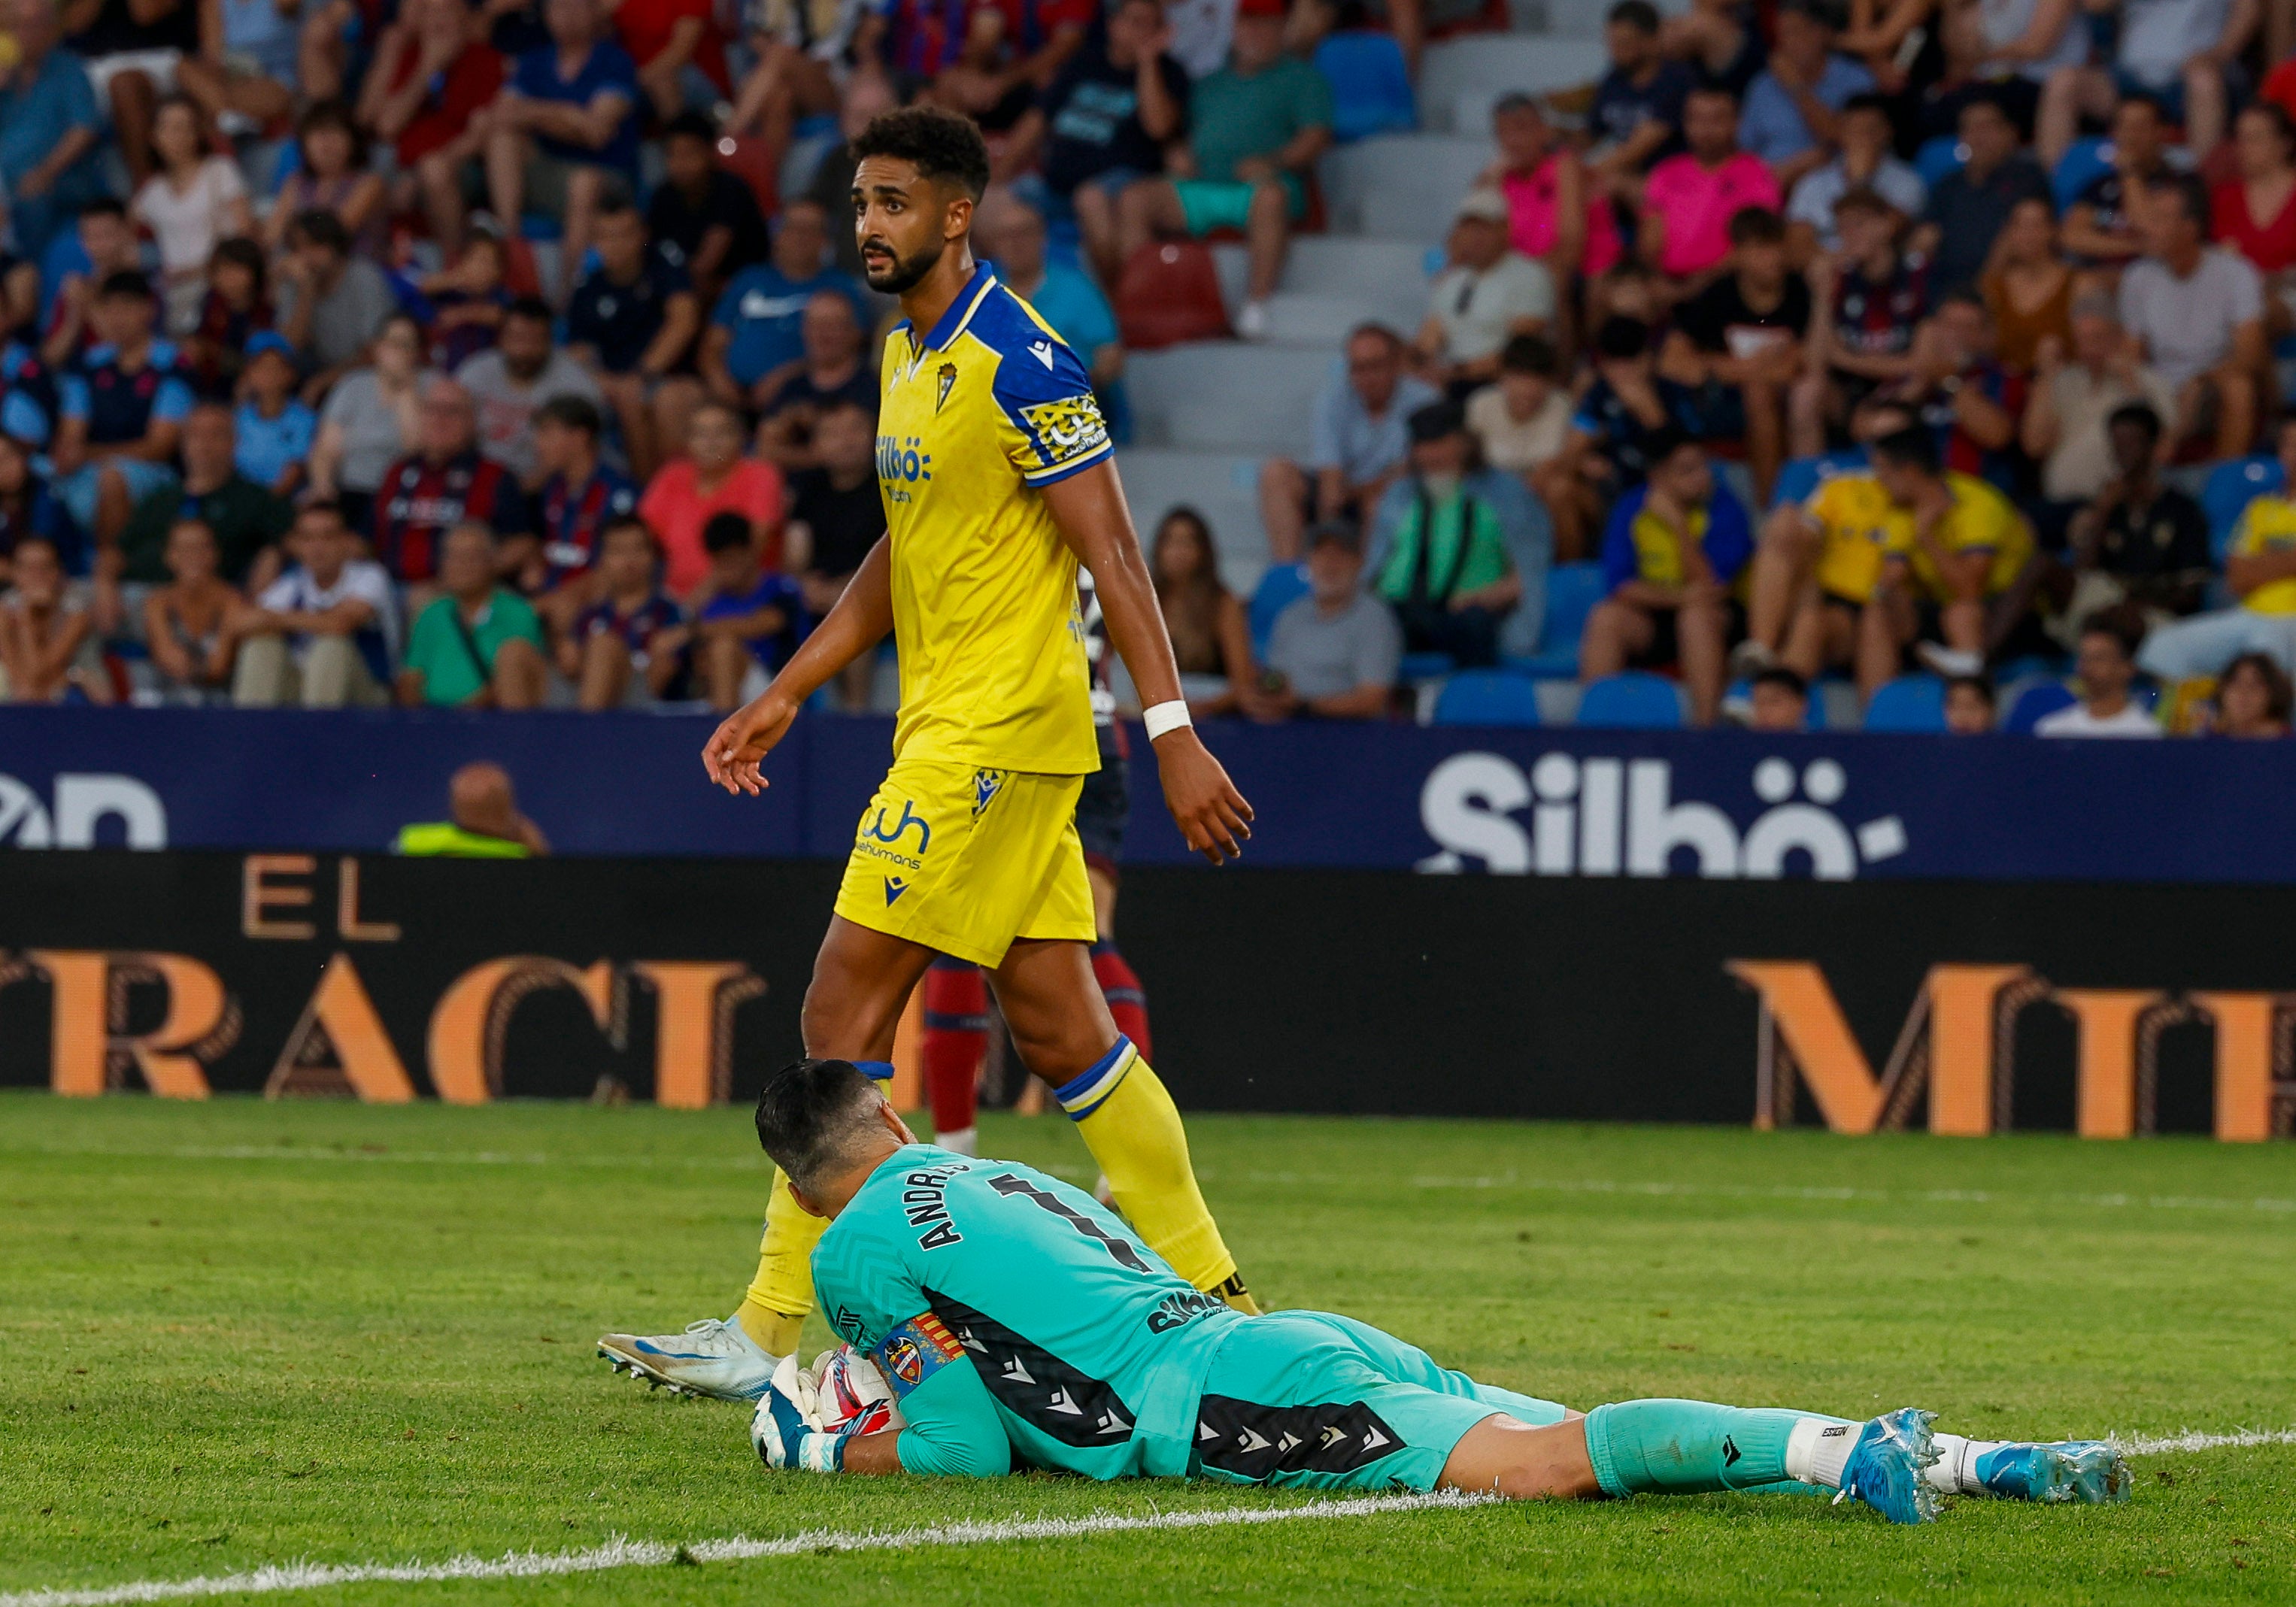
(1981, 517)
(2267, 525)
(976, 416)
(1854, 517)
(1658, 551)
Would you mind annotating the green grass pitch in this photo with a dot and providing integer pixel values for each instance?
(239, 1335)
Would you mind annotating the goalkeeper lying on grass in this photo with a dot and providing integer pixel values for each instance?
(1019, 1323)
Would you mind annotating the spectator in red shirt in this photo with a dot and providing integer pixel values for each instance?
(2255, 214)
(680, 53)
(1688, 201)
(432, 76)
(712, 477)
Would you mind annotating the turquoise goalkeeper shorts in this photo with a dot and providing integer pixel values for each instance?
(1310, 1400)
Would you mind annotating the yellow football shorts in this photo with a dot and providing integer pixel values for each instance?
(966, 860)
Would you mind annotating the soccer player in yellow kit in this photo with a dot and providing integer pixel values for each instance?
(999, 477)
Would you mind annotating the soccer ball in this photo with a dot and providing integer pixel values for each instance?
(853, 1397)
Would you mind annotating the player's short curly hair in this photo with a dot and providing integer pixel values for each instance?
(943, 144)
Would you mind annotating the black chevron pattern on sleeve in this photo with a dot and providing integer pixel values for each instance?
(1036, 1386)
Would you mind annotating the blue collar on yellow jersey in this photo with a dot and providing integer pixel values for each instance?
(960, 311)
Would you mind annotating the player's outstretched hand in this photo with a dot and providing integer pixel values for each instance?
(734, 749)
(1210, 813)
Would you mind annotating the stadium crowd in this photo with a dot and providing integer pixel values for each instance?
(508, 355)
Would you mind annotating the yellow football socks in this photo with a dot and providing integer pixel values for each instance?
(1132, 1128)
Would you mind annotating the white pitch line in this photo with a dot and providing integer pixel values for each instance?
(653, 1553)
(2146, 1446)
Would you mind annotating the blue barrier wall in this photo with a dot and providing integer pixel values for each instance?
(1557, 803)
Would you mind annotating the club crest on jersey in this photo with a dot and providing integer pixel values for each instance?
(986, 785)
(947, 385)
(1067, 429)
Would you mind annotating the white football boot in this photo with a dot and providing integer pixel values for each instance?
(715, 1359)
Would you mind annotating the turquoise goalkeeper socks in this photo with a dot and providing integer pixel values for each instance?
(1685, 1447)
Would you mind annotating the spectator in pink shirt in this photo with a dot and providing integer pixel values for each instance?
(712, 477)
(1689, 200)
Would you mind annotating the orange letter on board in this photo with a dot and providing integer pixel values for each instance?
(2244, 1023)
(85, 1037)
(690, 1049)
(471, 1016)
(2104, 1099)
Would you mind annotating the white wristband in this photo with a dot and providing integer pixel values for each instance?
(1165, 717)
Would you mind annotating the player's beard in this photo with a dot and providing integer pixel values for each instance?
(906, 273)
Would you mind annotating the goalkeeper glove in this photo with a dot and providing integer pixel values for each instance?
(787, 1427)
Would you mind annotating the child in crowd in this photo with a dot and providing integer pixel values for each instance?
(751, 616)
(471, 298)
(237, 307)
(275, 427)
(631, 644)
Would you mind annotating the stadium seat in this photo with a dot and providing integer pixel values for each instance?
(1633, 701)
(1425, 666)
(1572, 591)
(1909, 703)
(1168, 293)
(1487, 697)
(1939, 157)
(1800, 475)
(2036, 704)
(2229, 490)
(1371, 86)
(1279, 584)
(2082, 162)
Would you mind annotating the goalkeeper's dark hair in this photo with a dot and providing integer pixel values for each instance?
(943, 145)
(815, 1116)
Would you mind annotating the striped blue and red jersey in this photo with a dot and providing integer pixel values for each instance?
(420, 501)
(571, 519)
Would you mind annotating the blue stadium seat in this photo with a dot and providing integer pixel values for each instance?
(1572, 591)
(2036, 704)
(1939, 157)
(1800, 475)
(1371, 87)
(1487, 697)
(2230, 487)
(1909, 703)
(1633, 701)
(1425, 666)
(1279, 584)
(2083, 161)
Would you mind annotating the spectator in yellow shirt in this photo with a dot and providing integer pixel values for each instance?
(2261, 571)
(1956, 571)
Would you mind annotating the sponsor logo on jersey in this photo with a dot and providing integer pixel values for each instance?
(1067, 429)
(986, 785)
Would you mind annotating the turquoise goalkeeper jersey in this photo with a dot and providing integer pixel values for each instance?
(1018, 1321)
